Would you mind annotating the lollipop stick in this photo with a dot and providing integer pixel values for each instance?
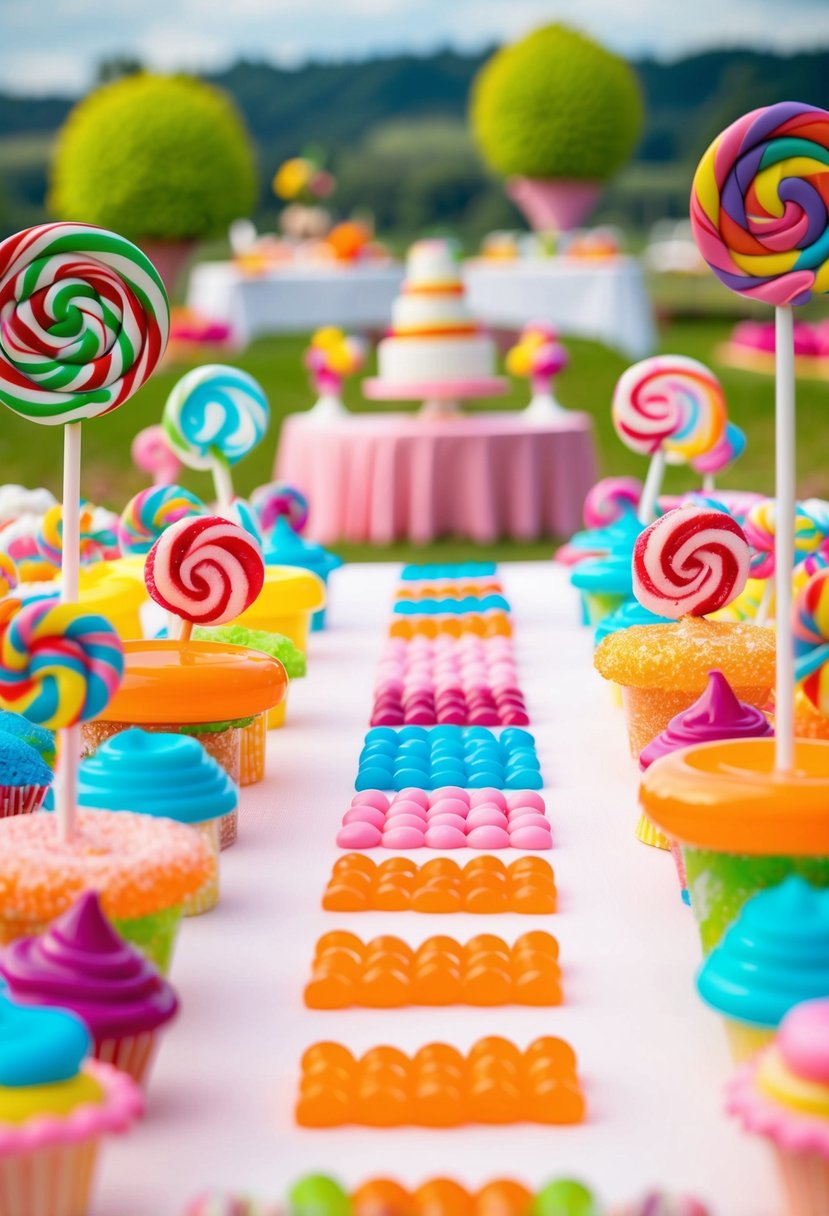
(66, 783)
(650, 492)
(784, 542)
(708, 483)
(223, 485)
(765, 603)
(186, 631)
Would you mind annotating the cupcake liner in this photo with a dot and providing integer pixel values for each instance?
(650, 834)
(207, 895)
(745, 1040)
(805, 1178)
(21, 800)
(253, 747)
(52, 1181)
(679, 862)
(132, 1054)
(229, 829)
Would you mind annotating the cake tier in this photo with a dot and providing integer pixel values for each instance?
(430, 263)
(429, 312)
(410, 360)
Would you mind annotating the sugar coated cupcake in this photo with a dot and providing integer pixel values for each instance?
(689, 563)
(168, 777)
(24, 777)
(80, 963)
(717, 714)
(774, 956)
(782, 1094)
(143, 869)
(55, 1107)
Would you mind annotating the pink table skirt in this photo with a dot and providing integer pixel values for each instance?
(383, 477)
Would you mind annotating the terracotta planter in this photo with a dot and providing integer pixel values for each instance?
(169, 258)
(553, 205)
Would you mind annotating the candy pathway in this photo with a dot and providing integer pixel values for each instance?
(651, 1058)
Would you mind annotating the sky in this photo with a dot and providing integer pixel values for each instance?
(53, 46)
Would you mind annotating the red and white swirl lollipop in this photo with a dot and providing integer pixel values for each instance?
(690, 562)
(205, 570)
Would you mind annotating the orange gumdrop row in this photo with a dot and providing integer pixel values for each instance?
(441, 1197)
(386, 973)
(485, 885)
(492, 623)
(496, 1083)
(450, 591)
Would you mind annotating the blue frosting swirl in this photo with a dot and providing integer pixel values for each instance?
(20, 764)
(775, 955)
(609, 575)
(167, 775)
(620, 535)
(285, 547)
(40, 1046)
(38, 737)
(630, 613)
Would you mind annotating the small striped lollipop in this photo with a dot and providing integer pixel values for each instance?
(206, 570)
(723, 454)
(215, 412)
(58, 664)
(690, 562)
(84, 322)
(278, 500)
(50, 537)
(760, 527)
(671, 404)
(810, 622)
(242, 513)
(149, 512)
(608, 500)
(9, 578)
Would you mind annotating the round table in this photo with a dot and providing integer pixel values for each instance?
(377, 478)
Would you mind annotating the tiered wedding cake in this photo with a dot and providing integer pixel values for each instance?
(433, 336)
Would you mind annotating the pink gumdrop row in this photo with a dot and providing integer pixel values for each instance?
(446, 818)
(465, 681)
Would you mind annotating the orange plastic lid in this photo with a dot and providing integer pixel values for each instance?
(174, 682)
(726, 797)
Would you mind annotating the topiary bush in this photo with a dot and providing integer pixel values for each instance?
(556, 105)
(164, 157)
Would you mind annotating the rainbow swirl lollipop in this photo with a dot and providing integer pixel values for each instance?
(760, 203)
(49, 537)
(85, 320)
(810, 623)
(760, 527)
(278, 500)
(149, 512)
(9, 578)
(723, 454)
(58, 665)
(671, 404)
(215, 413)
(609, 499)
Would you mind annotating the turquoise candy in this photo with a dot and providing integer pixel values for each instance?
(154, 773)
(40, 1046)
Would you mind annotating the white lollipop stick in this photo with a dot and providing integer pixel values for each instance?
(223, 485)
(650, 491)
(785, 444)
(709, 484)
(66, 777)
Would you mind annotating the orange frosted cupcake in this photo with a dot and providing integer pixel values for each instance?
(690, 562)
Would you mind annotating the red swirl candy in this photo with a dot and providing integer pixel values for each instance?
(690, 562)
(206, 570)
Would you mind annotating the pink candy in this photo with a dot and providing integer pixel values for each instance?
(462, 681)
(447, 818)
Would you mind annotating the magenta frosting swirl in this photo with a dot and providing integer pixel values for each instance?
(80, 963)
(717, 714)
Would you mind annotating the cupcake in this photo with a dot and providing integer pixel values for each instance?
(204, 689)
(605, 584)
(717, 714)
(143, 869)
(169, 777)
(80, 963)
(42, 740)
(55, 1107)
(774, 956)
(285, 547)
(782, 1094)
(24, 778)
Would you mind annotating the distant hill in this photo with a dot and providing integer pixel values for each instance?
(394, 131)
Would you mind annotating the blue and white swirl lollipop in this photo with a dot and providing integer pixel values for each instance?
(214, 416)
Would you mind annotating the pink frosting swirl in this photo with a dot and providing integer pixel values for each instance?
(717, 714)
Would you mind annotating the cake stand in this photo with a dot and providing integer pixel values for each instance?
(441, 398)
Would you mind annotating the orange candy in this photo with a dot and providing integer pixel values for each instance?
(386, 973)
(492, 623)
(485, 885)
(495, 1083)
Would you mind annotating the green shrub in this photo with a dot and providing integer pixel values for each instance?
(163, 157)
(556, 105)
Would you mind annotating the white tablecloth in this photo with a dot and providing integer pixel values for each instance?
(294, 301)
(652, 1058)
(603, 300)
(606, 301)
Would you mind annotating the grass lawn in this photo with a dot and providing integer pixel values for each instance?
(31, 454)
